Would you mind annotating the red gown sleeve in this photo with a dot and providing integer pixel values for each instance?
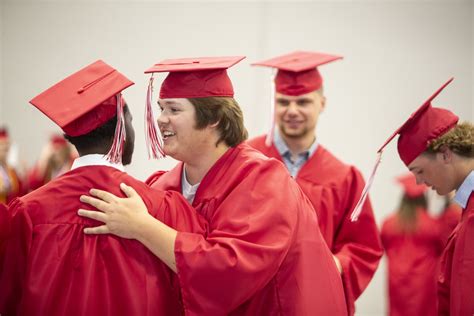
(462, 282)
(175, 211)
(12, 278)
(357, 245)
(249, 236)
(4, 231)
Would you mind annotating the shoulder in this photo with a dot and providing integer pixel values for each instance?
(154, 177)
(257, 142)
(331, 169)
(248, 156)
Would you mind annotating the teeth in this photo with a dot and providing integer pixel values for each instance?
(167, 133)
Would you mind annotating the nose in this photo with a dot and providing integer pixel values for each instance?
(292, 108)
(162, 118)
(419, 180)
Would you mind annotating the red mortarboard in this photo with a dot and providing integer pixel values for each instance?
(188, 78)
(297, 72)
(86, 100)
(58, 140)
(196, 77)
(424, 125)
(412, 190)
(4, 132)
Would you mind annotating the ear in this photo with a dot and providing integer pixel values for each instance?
(447, 154)
(213, 125)
(323, 103)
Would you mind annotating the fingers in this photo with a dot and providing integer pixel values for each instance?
(98, 216)
(103, 195)
(128, 190)
(96, 230)
(98, 204)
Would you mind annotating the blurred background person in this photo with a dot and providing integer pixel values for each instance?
(413, 245)
(449, 217)
(56, 158)
(11, 184)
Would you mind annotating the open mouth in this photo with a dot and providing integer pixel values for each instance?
(167, 134)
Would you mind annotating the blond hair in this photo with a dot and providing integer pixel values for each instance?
(459, 139)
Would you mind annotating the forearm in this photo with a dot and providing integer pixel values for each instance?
(159, 239)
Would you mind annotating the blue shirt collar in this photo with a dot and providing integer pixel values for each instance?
(465, 190)
(283, 149)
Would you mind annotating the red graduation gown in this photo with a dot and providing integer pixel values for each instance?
(16, 186)
(263, 253)
(334, 189)
(412, 265)
(53, 268)
(4, 230)
(456, 279)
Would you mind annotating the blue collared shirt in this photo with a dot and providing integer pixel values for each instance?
(293, 166)
(465, 190)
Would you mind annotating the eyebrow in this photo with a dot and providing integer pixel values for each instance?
(166, 102)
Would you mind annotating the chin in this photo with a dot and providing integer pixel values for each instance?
(442, 191)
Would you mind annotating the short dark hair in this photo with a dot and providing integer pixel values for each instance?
(226, 112)
(102, 136)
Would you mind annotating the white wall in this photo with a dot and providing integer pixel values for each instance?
(1, 62)
(396, 54)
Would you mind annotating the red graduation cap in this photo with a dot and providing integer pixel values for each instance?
(86, 100)
(188, 78)
(58, 141)
(196, 77)
(411, 188)
(4, 133)
(297, 72)
(424, 125)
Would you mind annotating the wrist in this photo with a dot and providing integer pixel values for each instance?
(143, 225)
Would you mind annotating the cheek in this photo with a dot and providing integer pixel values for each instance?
(279, 112)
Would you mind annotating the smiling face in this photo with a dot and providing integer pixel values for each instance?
(297, 116)
(177, 123)
(435, 170)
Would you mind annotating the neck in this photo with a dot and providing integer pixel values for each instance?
(200, 165)
(297, 145)
(93, 150)
(465, 167)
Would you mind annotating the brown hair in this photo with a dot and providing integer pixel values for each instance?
(407, 212)
(226, 112)
(459, 139)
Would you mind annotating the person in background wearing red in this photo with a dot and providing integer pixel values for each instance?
(55, 159)
(11, 184)
(439, 151)
(413, 245)
(450, 216)
(332, 186)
